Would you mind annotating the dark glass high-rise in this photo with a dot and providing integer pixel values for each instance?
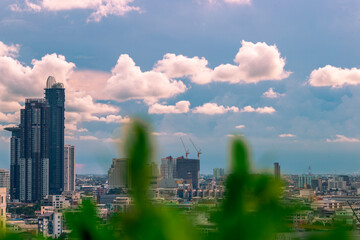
(55, 96)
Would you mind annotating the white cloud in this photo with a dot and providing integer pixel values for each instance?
(255, 62)
(342, 138)
(270, 93)
(88, 138)
(261, 110)
(177, 66)
(287, 135)
(129, 82)
(9, 50)
(240, 126)
(10, 117)
(240, 2)
(181, 134)
(179, 107)
(213, 108)
(177, 134)
(102, 8)
(18, 81)
(335, 77)
(159, 133)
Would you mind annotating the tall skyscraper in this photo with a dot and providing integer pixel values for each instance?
(34, 157)
(14, 163)
(277, 170)
(69, 168)
(55, 96)
(37, 146)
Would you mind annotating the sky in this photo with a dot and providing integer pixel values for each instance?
(285, 74)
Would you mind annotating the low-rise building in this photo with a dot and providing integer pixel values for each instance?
(50, 224)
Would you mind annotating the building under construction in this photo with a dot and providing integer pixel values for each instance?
(181, 168)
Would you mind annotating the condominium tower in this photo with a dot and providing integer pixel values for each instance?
(69, 168)
(37, 146)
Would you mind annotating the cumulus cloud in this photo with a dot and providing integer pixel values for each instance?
(179, 107)
(261, 110)
(10, 117)
(287, 135)
(129, 82)
(270, 93)
(335, 77)
(213, 109)
(9, 50)
(18, 81)
(177, 66)
(255, 62)
(102, 8)
(342, 138)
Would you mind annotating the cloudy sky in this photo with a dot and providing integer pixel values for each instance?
(283, 73)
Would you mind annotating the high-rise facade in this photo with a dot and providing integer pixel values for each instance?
(55, 97)
(37, 158)
(189, 170)
(69, 168)
(118, 173)
(218, 172)
(14, 162)
(277, 170)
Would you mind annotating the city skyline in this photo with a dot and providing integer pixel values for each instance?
(193, 67)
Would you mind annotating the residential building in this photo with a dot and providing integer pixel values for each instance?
(37, 146)
(55, 98)
(5, 180)
(57, 201)
(50, 224)
(69, 168)
(3, 197)
(218, 172)
(14, 163)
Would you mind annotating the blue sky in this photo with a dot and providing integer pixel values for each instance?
(283, 73)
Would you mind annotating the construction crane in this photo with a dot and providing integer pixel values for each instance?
(187, 152)
(198, 150)
(357, 218)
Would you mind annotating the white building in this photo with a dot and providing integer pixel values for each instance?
(3, 197)
(57, 201)
(50, 224)
(69, 168)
